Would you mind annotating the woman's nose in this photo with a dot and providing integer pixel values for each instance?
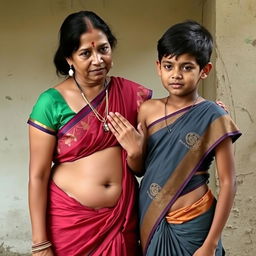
(96, 58)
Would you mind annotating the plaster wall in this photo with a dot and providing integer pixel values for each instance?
(29, 31)
(236, 79)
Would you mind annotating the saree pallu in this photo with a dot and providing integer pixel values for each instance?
(77, 230)
(177, 146)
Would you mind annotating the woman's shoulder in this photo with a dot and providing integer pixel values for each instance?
(48, 98)
(126, 82)
(131, 89)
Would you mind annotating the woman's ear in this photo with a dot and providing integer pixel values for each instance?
(69, 61)
(206, 70)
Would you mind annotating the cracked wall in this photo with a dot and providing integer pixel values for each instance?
(236, 83)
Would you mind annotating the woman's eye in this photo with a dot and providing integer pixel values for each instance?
(104, 49)
(85, 53)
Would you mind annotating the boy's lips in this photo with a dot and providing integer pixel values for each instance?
(176, 85)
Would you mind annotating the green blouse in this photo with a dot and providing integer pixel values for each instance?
(51, 111)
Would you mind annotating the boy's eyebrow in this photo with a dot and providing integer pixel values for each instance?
(182, 63)
(167, 61)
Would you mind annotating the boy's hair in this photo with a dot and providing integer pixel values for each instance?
(186, 37)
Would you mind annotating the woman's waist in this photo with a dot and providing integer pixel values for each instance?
(94, 181)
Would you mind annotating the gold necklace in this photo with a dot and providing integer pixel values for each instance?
(102, 119)
(165, 111)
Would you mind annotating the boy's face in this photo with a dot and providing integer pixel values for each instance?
(181, 75)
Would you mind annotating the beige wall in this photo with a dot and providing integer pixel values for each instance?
(28, 40)
(236, 86)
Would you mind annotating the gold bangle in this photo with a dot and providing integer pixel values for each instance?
(40, 246)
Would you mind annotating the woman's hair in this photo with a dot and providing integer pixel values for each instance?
(70, 32)
(186, 37)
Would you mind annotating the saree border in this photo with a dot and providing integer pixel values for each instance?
(41, 126)
(168, 120)
(168, 116)
(82, 113)
(217, 131)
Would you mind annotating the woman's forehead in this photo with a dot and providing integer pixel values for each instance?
(93, 37)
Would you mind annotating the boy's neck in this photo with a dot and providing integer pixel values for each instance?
(177, 102)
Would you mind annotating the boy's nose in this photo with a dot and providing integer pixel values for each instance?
(176, 74)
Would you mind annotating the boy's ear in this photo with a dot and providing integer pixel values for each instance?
(158, 67)
(206, 70)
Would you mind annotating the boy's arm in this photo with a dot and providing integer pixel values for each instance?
(226, 173)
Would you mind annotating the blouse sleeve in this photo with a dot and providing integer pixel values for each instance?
(43, 115)
(143, 94)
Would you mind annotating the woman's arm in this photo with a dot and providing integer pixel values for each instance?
(130, 139)
(41, 153)
(226, 173)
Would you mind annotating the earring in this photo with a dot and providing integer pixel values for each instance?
(112, 64)
(71, 71)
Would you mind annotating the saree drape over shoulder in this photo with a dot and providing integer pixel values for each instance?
(75, 229)
(179, 145)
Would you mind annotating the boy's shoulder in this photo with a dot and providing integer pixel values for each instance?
(151, 109)
(151, 104)
(215, 107)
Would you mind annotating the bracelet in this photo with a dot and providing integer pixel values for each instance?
(40, 246)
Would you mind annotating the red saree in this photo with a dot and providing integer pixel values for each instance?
(75, 229)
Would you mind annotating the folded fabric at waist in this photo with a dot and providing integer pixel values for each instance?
(188, 213)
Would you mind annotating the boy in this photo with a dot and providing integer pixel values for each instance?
(184, 133)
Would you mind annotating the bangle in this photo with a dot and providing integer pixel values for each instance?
(40, 246)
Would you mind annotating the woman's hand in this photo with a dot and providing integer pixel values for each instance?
(129, 138)
(221, 104)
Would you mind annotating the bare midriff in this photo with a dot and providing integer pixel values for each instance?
(94, 181)
(189, 198)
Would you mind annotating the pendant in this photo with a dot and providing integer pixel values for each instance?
(105, 127)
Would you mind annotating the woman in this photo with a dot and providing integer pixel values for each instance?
(83, 204)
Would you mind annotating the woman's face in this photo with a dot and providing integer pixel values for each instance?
(93, 59)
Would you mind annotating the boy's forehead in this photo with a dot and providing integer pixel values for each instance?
(185, 57)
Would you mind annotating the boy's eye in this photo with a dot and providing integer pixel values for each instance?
(168, 67)
(187, 67)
